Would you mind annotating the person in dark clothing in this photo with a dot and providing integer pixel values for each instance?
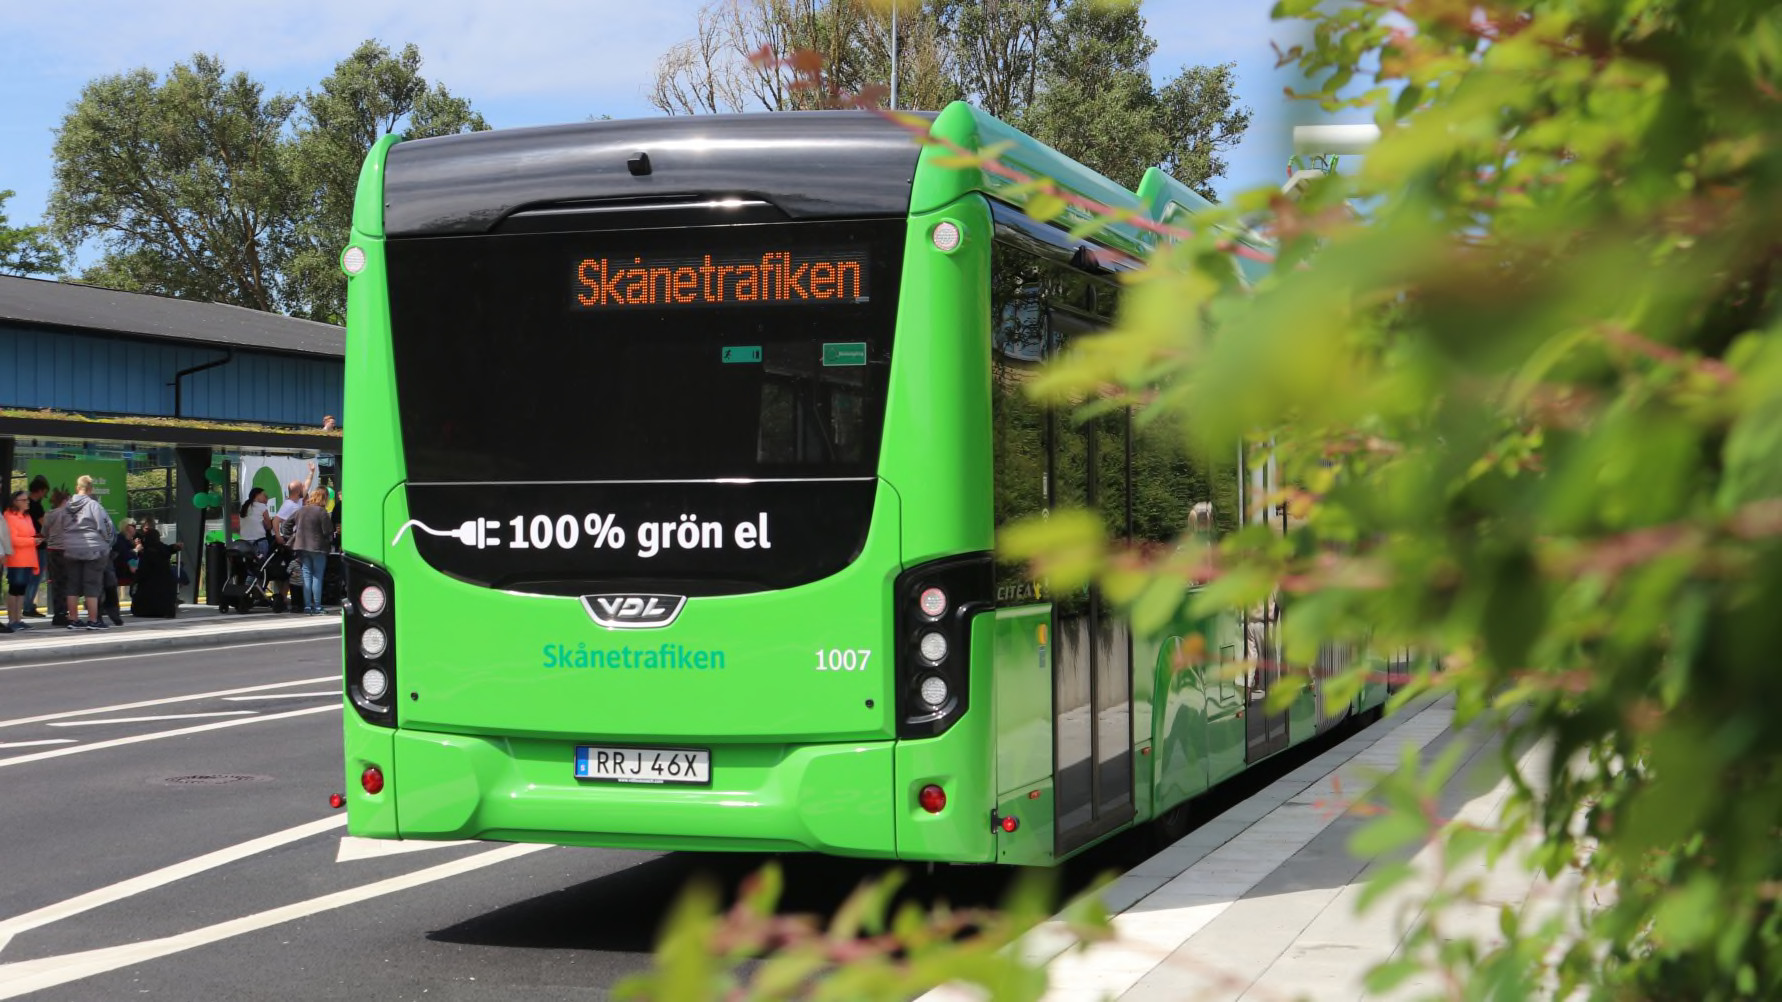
(157, 594)
(122, 572)
(40, 486)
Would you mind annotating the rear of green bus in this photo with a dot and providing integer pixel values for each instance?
(669, 479)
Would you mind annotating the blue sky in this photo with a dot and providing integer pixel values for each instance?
(521, 62)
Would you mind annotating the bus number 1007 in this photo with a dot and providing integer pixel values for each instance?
(836, 659)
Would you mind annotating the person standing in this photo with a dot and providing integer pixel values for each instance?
(256, 522)
(86, 549)
(295, 492)
(39, 489)
(156, 595)
(120, 577)
(20, 540)
(55, 523)
(310, 535)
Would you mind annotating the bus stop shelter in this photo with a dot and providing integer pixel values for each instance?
(127, 381)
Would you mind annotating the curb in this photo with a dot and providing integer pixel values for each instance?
(1105, 971)
(197, 637)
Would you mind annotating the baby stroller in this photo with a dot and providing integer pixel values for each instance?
(250, 578)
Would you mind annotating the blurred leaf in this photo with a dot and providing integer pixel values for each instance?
(1389, 832)
(1045, 207)
(1381, 880)
(1385, 977)
(1685, 916)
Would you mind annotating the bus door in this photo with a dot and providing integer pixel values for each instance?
(1264, 733)
(1332, 659)
(1092, 669)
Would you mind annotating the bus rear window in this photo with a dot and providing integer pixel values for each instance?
(747, 352)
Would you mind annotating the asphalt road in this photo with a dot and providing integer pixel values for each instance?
(165, 832)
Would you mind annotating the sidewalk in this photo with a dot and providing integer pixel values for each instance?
(1259, 903)
(197, 626)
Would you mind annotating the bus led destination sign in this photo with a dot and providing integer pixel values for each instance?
(773, 278)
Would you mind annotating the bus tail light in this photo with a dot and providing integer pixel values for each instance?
(372, 779)
(370, 633)
(935, 605)
(932, 798)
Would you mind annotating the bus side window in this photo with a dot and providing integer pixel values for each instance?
(1020, 427)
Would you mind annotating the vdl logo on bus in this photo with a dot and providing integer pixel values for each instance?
(633, 612)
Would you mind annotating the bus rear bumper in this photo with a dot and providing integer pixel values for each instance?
(831, 798)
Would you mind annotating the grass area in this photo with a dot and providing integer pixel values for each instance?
(162, 422)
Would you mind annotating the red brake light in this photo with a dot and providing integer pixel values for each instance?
(336, 801)
(372, 779)
(1009, 824)
(932, 798)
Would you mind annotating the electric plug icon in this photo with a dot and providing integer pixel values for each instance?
(477, 532)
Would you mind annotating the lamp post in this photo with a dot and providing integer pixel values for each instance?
(894, 55)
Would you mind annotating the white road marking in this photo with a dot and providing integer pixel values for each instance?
(159, 878)
(135, 738)
(121, 707)
(150, 720)
(35, 975)
(159, 654)
(29, 744)
(335, 693)
(353, 848)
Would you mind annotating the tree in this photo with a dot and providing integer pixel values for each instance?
(26, 250)
(1198, 118)
(202, 187)
(721, 70)
(998, 44)
(1095, 100)
(185, 181)
(1075, 73)
(371, 93)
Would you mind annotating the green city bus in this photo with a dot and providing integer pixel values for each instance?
(679, 451)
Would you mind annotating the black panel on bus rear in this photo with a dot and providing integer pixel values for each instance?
(810, 165)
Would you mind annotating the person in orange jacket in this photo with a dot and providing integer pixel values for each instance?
(20, 540)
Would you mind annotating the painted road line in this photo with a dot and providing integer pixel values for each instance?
(121, 707)
(35, 975)
(137, 738)
(186, 652)
(150, 720)
(353, 848)
(331, 693)
(160, 878)
(31, 744)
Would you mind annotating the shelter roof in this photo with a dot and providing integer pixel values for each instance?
(90, 308)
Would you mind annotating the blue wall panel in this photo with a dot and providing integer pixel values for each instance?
(86, 373)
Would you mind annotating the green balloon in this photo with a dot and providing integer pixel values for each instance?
(201, 501)
(215, 475)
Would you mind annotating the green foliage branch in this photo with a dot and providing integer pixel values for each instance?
(1530, 409)
(876, 946)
